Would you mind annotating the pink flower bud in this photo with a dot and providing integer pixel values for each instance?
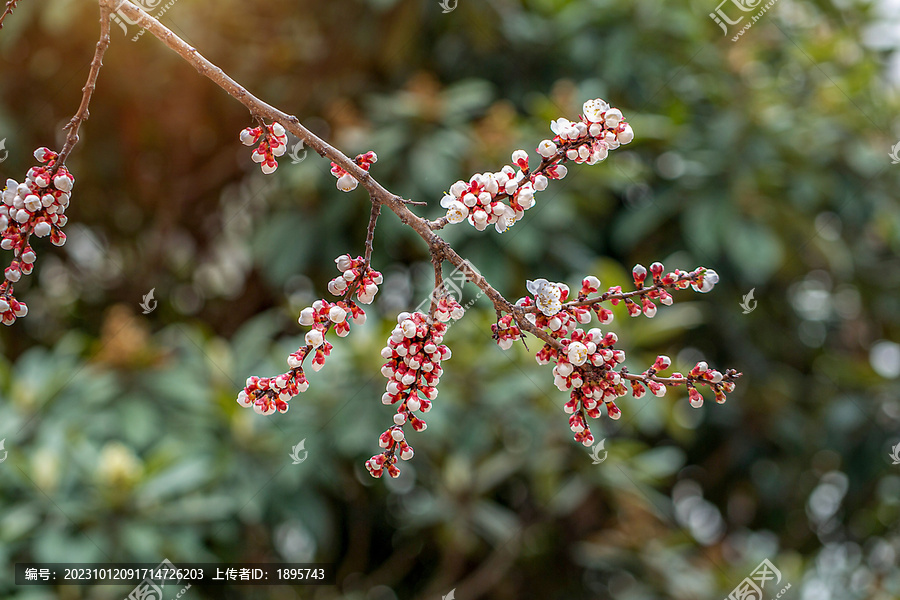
(343, 262)
(250, 136)
(640, 274)
(696, 398)
(347, 183)
(520, 158)
(612, 117)
(32, 203)
(546, 148)
(12, 272)
(613, 411)
(315, 338)
(306, 317)
(336, 314)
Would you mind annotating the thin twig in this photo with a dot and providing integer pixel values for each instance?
(83, 112)
(370, 232)
(438, 291)
(607, 296)
(729, 375)
(438, 224)
(10, 5)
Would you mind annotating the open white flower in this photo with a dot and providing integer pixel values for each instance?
(593, 110)
(546, 295)
(506, 219)
(564, 128)
(577, 353)
(457, 212)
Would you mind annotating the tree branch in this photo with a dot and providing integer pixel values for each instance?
(259, 108)
(439, 249)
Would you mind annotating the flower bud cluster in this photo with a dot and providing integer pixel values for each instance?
(587, 363)
(483, 199)
(347, 182)
(506, 332)
(355, 274)
(552, 314)
(447, 307)
(414, 353)
(586, 368)
(700, 279)
(658, 389)
(36, 206)
(480, 200)
(268, 394)
(720, 383)
(274, 143)
(589, 139)
(591, 285)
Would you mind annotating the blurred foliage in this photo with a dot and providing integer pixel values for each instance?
(765, 159)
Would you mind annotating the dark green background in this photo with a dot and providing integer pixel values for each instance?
(765, 159)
